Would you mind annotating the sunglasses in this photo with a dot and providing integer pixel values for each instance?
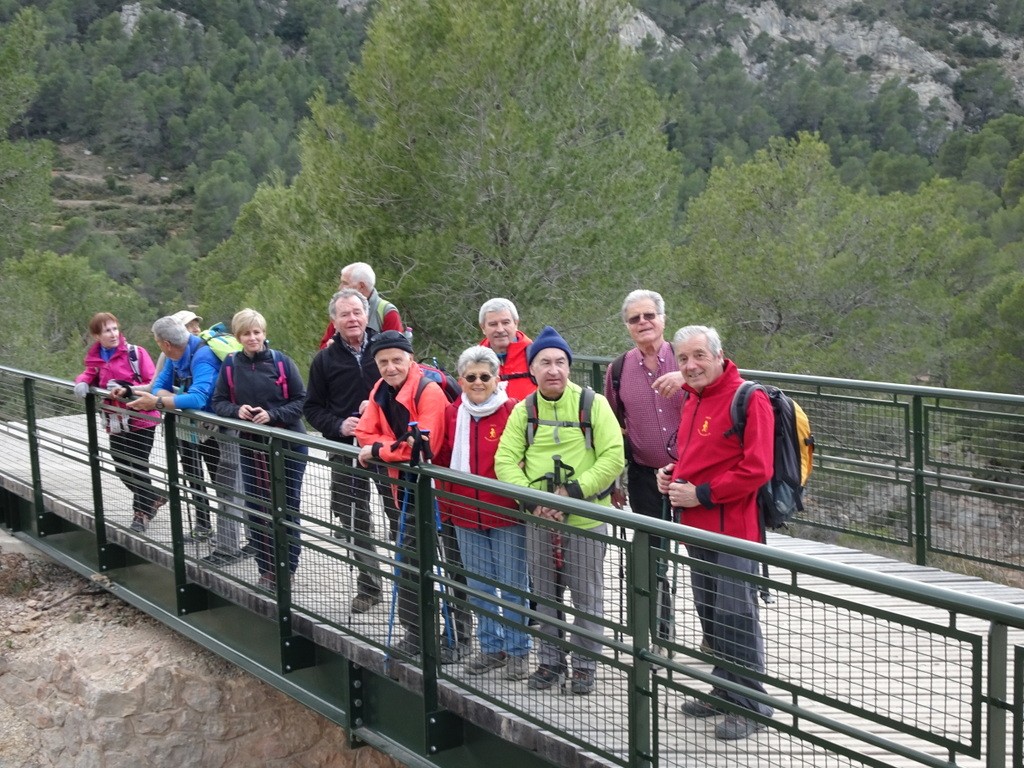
(472, 377)
(648, 316)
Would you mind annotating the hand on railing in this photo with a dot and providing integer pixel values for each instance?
(81, 389)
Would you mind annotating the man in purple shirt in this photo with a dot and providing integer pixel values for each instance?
(644, 388)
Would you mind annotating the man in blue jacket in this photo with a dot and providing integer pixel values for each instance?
(186, 382)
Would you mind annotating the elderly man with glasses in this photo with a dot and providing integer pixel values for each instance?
(644, 388)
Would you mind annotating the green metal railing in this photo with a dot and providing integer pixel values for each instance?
(863, 668)
(938, 471)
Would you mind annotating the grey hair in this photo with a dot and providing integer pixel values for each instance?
(361, 272)
(642, 294)
(347, 293)
(171, 330)
(689, 331)
(498, 305)
(475, 355)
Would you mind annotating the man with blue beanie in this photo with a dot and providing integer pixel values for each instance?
(544, 426)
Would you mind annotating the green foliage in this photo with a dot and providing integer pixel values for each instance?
(24, 166)
(806, 275)
(46, 301)
(487, 157)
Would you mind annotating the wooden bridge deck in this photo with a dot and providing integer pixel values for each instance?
(886, 669)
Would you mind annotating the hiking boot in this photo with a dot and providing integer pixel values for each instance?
(517, 668)
(695, 708)
(482, 663)
(138, 523)
(408, 646)
(219, 558)
(737, 727)
(583, 681)
(158, 502)
(268, 582)
(545, 676)
(201, 533)
(363, 603)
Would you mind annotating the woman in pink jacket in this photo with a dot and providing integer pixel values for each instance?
(114, 364)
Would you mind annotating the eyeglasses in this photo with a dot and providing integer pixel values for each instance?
(472, 377)
(648, 316)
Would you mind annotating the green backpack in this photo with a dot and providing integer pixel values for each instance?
(218, 339)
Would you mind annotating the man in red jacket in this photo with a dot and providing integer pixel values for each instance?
(499, 321)
(713, 486)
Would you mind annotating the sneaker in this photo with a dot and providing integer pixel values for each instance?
(248, 551)
(201, 533)
(363, 603)
(453, 653)
(517, 668)
(545, 676)
(482, 663)
(219, 558)
(737, 727)
(695, 708)
(158, 502)
(138, 524)
(582, 681)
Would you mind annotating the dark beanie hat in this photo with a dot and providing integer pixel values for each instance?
(390, 340)
(547, 339)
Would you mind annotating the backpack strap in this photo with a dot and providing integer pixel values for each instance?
(584, 423)
(282, 379)
(229, 372)
(617, 365)
(738, 408)
(133, 361)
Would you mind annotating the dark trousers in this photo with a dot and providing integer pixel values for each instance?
(459, 627)
(130, 451)
(727, 606)
(193, 456)
(644, 499)
(256, 478)
(350, 503)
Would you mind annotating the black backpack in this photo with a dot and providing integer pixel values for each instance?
(782, 496)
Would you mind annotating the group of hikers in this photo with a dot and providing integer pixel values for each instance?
(660, 430)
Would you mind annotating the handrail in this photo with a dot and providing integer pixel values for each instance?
(882, 626)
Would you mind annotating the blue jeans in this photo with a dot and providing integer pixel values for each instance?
(499, 555)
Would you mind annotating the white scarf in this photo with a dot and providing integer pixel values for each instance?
(467, 411)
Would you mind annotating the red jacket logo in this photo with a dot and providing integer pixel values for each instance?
(705, 428)
(492, 433)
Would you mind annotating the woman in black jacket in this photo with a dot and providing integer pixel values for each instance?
(264, 386)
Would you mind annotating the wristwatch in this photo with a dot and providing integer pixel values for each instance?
(160, 403)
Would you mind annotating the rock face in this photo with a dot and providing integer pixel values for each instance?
(88, 681)
(893, 54)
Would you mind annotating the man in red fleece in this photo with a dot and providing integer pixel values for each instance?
(713, 486)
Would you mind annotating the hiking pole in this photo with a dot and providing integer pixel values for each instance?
(427, 454)
(556, 479)
(399, 541)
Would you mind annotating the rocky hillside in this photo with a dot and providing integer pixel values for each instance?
(930, 58)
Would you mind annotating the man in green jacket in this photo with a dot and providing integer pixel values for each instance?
(545, 446)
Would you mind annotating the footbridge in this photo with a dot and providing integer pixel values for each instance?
(872, 660)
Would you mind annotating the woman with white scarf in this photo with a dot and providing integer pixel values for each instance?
(493, 545)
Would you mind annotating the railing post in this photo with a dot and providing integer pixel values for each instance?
(189, 597)
(442, 728)
(108, 555)
(296, 652)
(40, 523)
(997, 696)
(643, 585)
(917, 432)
